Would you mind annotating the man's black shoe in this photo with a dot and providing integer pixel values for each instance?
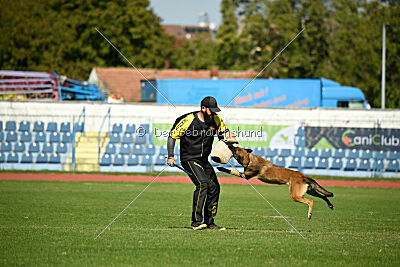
(215, 227)
(199, 226)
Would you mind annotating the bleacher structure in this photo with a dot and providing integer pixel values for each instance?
(38, 145)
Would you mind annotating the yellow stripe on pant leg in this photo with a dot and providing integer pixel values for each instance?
(198, 197)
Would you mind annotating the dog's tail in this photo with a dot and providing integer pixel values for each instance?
(319, 188)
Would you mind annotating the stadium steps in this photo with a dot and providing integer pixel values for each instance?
(86, 151)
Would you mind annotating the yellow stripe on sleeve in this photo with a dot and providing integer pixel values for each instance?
(182, 126)
(220, 123)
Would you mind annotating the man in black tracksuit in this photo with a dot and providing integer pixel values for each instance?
(196, 131)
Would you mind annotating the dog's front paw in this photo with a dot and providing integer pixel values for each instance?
(222, 169)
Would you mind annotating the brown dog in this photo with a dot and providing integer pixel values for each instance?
(257, 167)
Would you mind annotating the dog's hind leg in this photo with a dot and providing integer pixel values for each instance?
(314, 193)
(297, 190)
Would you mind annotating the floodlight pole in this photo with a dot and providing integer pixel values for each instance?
(383, 66)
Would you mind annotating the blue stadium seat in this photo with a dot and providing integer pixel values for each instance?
(146, 160)
(117, 128)
(322, 164)
(380, 154)
(12, 158)
(366, 154)
(2, 157)
(130, 128)
(25, 137)
(336, 164)
(115, 138)
(146, 127)
(54, 158)
(298, 152)
(79, 127)
(309, 163)
(393, 155)
(285, 152)
(160, 160)
(311, 153)
(325, 153)
(65, 127)
(163, 151)
(42, 158)
(6, 147)
(295, 163)
(105, 160)
(38, 126)
(364, 165)
(393, 166)
(66, 138)
(19, 147)
(127, 138)
(259, 151)
(24, 126)
(61, 148)
(11, 126)
(271, 152)
(125, 149)
(133, 160)
(140, 140)
(40, 137)
(351, 165)
(119, 160)
(27, 158)
(1, 126)
(299, 141)
(12, 137)
(377, 165)
(52, 127)
(353, 154)
(34, 148)
(1, 136)
(138, 150)
(47, 148)
(150, 150)
(339, 153)
(280, 162)
(110, 149)
(55, 137)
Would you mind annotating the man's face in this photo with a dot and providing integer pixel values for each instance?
(207, 111)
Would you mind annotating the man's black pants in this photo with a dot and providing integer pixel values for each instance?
(207, 190)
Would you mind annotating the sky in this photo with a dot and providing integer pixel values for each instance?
(186, 12)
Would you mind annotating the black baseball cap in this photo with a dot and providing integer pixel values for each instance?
(211, 103)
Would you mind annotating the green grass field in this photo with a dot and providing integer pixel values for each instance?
(54, 223)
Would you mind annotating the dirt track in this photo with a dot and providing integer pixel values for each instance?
(174, 179)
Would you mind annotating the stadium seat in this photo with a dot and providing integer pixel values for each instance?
(12, 157)
(309, 163)
(27, 158)
(377, 165)
(351, 165)
(336, 164)
(38, 126)
(380, 154)
(11, 126)
(353, 154)
(145, 127)
(280, 162)
(42, 158)
(322, 164)
(6, 147)
(271, 152)
(66, 137)
(298, 152)
(366, 154)
(146, 160)
(299, 141)
(364, 165)
(130, 128)
(11, 137)
(325, 153)
(110, 149)
(150, 150)
(79, 127)
(54, 158)
(61, 148)
(125, 149)
(117, 128)
(1, 126)
(65, 127)
(24, 126)
(55, 137)
(115, 138)
(160, 160)
(393, 155)
(133, 160)
(284, 152)
(138, 150)
(105, 160)
(140, 140)
(19, 147)
(339, 153)
(47, 148)
(119, 160)
(163, 151)
(2, 157)
(34, 148)
(127, 138)
(259, 151)
(393, 166)
(311, 153)
(25, 137)
(51, 127)
(1, 136)
(295, 163)
(40, 137)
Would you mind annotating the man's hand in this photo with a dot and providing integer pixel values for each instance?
(170, 161)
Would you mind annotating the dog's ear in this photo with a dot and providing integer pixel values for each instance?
(249, 150)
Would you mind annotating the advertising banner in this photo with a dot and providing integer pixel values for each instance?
(352, 138)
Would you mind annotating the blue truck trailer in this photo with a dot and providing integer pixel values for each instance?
(308, 93)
